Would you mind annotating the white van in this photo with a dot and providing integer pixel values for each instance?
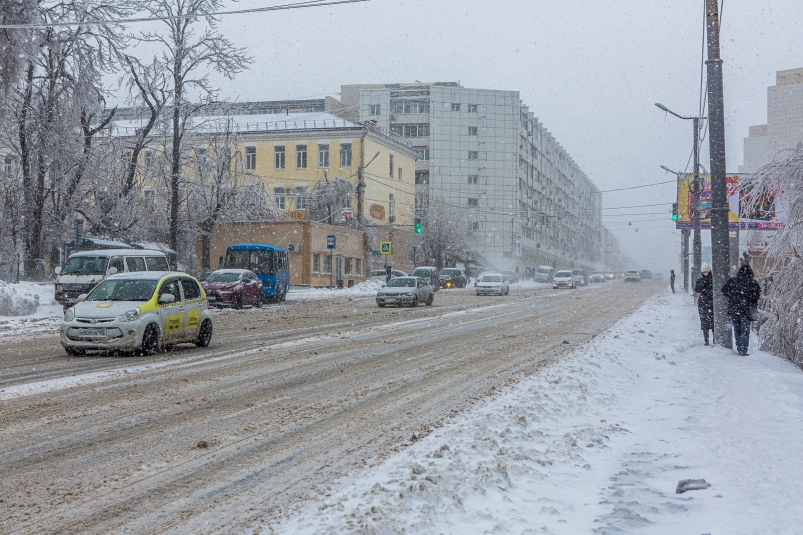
(86, 269)
(544, 274)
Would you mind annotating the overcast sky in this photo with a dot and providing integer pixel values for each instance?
(590, 70)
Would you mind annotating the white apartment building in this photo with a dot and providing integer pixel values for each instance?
(784, 128)
(529, 202)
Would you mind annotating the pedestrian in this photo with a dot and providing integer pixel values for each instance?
(705, 303)
(672, 279)
(743, 293)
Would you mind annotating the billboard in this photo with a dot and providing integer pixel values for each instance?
(749, 208)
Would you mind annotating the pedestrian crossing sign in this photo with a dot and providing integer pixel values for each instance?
(386, 247)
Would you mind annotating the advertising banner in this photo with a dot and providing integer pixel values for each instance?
(749, 208)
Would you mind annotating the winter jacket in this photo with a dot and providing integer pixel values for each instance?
(705, 303)
(743, 293)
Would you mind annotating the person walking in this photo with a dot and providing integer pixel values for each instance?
(672, 279)
(705, 303)
(743, 293)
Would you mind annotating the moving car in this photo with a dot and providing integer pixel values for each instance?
(381, 274)
(597, 276)
(142, 312)
(452, 278)
(610, 275)
(632, 276)
(579, 276)
(544, 274)
(406, 291)
(646, 274)
(563, 279)
(430, 274)
(512, 276)
(492, 283)
(233, 288)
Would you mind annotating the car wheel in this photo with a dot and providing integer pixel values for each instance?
(415, 301)
(150, 340)
(284, 294)
(75, 352)
(381, 305)
(204, 334)
(238, 301)
(258, 302)
(430, 300)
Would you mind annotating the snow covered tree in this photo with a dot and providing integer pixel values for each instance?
(446, 235)
(329, 199)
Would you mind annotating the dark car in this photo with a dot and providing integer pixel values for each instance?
(452, 278)
(646, 274)
(234, 288)
(511, 276)
(428, 273)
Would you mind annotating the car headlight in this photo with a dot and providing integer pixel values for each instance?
(59, 287)
(129, 315)
(69, 315)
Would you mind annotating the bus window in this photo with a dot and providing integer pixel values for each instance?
(262, 262)
(238, 259)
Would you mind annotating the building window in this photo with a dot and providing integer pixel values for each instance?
(347, 266)
(410, 130)
(407, 107)
(316, 262)
(400, 174)
(323, 156)
(278, 157)
(391, 208)
(473, 202)
(473, 179)
(148, 195)
(422, 177)
(345, 155)
(302, 200)
(278, 193)
(391, 166)
(472, 130)
(473, 155)
(455, 107)
(301, 156)
(149, 157)
(327, 264)
(8, 167)
(375, 109)
(475, 225)
(472, 108)
(423, 154)
(358, 266)
(250, 158)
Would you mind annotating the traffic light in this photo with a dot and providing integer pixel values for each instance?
(419, 228)
(674, 211)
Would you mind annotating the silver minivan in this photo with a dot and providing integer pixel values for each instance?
(84, 270)
(544, 274)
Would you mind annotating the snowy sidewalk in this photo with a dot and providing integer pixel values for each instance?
(597, 444)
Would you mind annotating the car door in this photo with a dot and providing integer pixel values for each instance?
(191, 308)
(251, 288)
(171, 313)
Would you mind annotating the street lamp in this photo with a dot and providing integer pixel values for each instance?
(697, 243)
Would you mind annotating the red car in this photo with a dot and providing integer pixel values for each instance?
(234, 288)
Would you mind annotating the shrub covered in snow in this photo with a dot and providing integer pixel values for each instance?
(13, 302)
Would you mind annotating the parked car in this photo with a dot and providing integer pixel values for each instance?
(430, 274)
(632, 276)
(580, 276)
(564, 279)
(381, 274)
(406, 291)
(452, 278)
(511, 276)
(492, 283)
(597, 276)
(234, 288)
(544, 274)
(646, 274)
(141, 312)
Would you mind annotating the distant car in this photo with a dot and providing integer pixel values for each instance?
(597, 276)
(381, 274)
(646, 274)
(452, 278)
(406, 291)
(492, 283)
(430, 274)
(233, 288)
(544, 274)
(632, 276)
(610, 275)
(564, 279)
(511, 275)
(580, 276)
(658, 276)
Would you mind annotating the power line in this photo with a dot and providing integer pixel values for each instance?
(298, 5)
(637, 206)
(637, 187)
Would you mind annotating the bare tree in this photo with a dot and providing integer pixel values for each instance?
(446, 234)
(329, 199)
(17, 45)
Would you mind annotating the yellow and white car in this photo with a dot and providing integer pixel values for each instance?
(143, 312)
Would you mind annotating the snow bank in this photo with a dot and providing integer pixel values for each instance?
(597, 444)
(17, 300)
(367, 288)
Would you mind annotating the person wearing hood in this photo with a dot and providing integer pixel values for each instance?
(672, 279)
(705, 303)
(743, 293)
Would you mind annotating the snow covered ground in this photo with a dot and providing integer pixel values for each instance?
(597, 444)
(27, 308)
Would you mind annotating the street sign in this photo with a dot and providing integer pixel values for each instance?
(330, 241)
(385, 247)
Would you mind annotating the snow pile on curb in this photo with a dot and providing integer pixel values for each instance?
(597, 443)
(367, 288)
(15, 301)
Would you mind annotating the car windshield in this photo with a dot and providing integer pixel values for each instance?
(563, 274)
(577, 272)
(223, 277)
(596, 274)
(86, 265)
(123, 290)
(543, 270)
(423, 273)
(401, 283)
(450, 272)
(491, 278)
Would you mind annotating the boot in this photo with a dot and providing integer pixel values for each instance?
(705, 335)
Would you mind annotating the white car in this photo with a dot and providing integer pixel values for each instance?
(597, 276)
(492, 283)
(563, 279)
(406, 291)
(142, 312)
(633, 276)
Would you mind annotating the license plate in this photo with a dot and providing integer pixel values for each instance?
(92, 332)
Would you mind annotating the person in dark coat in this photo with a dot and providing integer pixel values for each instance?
(743, 293)
(705, 303)
(672, 279)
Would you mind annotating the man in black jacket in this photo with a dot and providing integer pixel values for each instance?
(743, 293)
(672, 279)
(705, 303)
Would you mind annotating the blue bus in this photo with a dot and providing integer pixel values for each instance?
(269, 262)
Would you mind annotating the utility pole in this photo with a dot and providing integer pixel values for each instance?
(697, 244)
(684, 252)
(720, 255)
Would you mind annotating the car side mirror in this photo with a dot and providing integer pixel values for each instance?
(81, 297)
(111, 271)
(57, 270)
(166, 298)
